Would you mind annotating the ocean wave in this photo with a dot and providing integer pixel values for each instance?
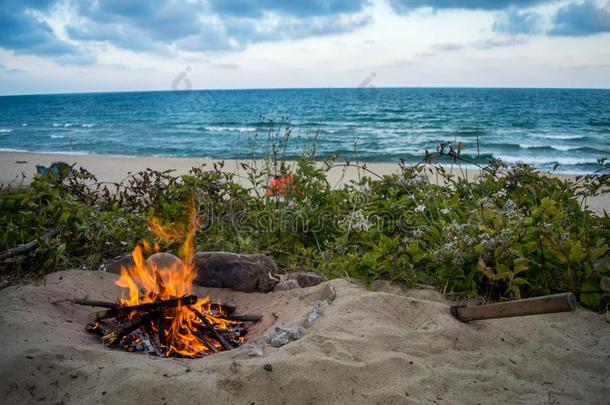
(565, 137)
(55, 136)
(214, 128)
(87, 125)
(541, 148)
(5, 131)
(12, 150)
(542, 160)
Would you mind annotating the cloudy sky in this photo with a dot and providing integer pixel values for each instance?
(57, 46)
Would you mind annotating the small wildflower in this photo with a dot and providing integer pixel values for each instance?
(357, 221)
(420, 208)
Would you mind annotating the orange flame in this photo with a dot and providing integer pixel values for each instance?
(146, 282)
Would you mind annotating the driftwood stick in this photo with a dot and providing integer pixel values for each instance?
(243, 318)
(127, 327)
(212, 329)
(28, 247)
(93, 303)
(149, 306)
(530, 306)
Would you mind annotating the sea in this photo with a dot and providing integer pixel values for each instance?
(566, 130)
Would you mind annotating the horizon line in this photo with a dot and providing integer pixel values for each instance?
(87, 92)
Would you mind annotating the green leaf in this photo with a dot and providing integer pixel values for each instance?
(589, 294)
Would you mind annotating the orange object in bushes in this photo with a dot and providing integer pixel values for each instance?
(280, 185)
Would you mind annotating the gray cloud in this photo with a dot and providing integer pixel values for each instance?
(312, 8)
(10, 71)
(581, 19)
(514, 22)
(216, 25)
(23, 33)
(405, 6)
(163, 26)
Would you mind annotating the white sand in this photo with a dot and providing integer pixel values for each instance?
(384, 347)
(20, 167)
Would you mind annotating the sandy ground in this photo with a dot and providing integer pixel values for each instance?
(375, 347)
(18, 167)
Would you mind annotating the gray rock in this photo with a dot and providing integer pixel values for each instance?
(165, 261)
(307, 278)
(114, 265)
(313, 315)
(286, 285)
(240, 272)
(279, 337)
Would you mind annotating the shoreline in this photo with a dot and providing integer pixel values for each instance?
(20, 167)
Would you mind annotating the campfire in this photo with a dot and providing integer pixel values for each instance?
(159, 315)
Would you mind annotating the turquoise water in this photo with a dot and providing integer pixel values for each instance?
(537, 126)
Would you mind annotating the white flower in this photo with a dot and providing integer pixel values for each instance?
(357, 221)
(510, 208)
(420, 208)
(501, 194)
(445, 211)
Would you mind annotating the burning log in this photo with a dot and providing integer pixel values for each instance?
(97, 329)
(210, 327)
(146, 330)
(224, 308)
(119, 311)
(127, 327)
(206, 342)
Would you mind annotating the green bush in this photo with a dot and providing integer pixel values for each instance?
(511, 233)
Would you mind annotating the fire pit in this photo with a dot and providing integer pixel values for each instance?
(159, 315)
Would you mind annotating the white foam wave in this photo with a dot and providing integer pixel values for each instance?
(57, 136)
(540, 160)
(563, 137)
(87, 125)
(5, 131)
(214, 128)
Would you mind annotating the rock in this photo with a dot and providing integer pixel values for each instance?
(279, 337)
(307, 278)
(215, 269)
(286, 285)
(240, 272)
(314, 314)
(165, 261)
(114, 265)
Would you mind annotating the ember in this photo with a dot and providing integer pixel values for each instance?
(160, 316)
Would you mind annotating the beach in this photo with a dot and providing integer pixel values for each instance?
(20, 167)
(376, 345)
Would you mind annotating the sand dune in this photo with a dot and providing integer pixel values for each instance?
(386, 346)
